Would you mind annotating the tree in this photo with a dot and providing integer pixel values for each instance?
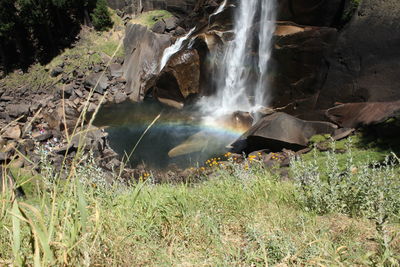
(101, 17)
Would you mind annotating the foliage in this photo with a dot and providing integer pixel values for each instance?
(101, 16)
(33, 30)
(78, 58)
(237, 218)
(349, 10)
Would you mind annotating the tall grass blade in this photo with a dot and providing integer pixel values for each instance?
(16, 234)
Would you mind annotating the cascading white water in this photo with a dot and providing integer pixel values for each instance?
(173, 49)
(220, 8)
(234, 83)
(267, 28)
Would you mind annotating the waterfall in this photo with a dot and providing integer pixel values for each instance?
(267, 28)
(236, 80)
(173, 49)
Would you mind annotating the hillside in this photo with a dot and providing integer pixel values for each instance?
(199, 133)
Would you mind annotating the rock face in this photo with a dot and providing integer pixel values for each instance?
(279, 130)
(181, 77)
(143, 50)
(299, 61)
(366, 61)
(353, 115)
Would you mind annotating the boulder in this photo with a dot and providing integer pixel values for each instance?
(56, 71)
(116, 70)
(17, 110)
(159, 27)
(97, 81)
(181, 77)
(171, 23)
(143, 51)
(278, 131)
(12, 132)
(120, 97)
(353, 115)
(212, 142)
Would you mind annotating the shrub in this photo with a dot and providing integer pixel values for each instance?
(101, 16)
(367, 189)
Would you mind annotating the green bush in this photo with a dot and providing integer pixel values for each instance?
(367, 189)
(101, 16)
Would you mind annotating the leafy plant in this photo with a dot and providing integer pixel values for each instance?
(101, 16)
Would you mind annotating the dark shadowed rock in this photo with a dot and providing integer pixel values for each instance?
(310, 12)
(353, 115)
(181, 77)
(366, 61)
(278, 131)
(300, 68)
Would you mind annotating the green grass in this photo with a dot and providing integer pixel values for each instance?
(149, 18)
(236, 217)
(34, 79)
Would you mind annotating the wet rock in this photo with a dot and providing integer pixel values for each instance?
(181, 77)
(159, 27)
(171, 103)
(353, 115)
(212, 143)
(12, 132)
(278, 131)
(97, 81)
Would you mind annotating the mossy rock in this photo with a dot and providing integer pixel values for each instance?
(350, 8)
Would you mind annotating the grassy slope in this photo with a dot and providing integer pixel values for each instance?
(150, 18)
(99, 44)
(234, 218)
